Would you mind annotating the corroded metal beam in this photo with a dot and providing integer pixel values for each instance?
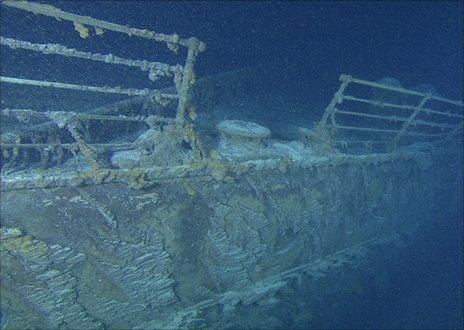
(52, 11)
(399, 90)
(144, 176)
(57, 49)
(84, 88)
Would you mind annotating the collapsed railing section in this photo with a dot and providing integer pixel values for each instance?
(183, 78)
(389, 116)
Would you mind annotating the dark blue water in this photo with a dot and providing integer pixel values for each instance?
(307, 44)
(425, 288)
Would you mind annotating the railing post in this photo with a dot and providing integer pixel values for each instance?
(184, 90)
(188, 79)
(346, 79)
(407, 123)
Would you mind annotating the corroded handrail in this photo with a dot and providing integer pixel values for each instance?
(408, 121)
(183, 75)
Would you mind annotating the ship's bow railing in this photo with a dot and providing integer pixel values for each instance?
(390, 116)
(182, 75)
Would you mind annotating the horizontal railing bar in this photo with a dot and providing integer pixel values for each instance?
(398, 106)
(431, 124)
(395, 118)
(377, 103)
(361, 114)
(381, 130)
(110, 118)
(367, 129)
(449, 114)
(358, 142)
(57, 49)
(351, 79)
(85, 88)
(30, 113)
(64, 145)
(51, 11)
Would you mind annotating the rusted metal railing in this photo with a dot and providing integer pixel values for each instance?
(329, 118)
(183, 76)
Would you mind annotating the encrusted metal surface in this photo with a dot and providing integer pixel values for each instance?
(195, 251)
